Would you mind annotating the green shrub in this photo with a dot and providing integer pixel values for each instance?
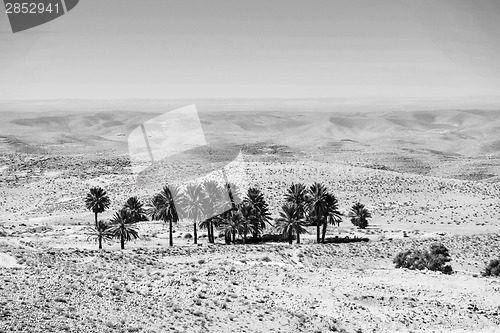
(492, 269)
(434, 259)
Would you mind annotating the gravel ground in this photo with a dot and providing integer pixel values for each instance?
(248, 288)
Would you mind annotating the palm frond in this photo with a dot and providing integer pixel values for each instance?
(233, 223)
(256, 207)
(101, 230)
(194, 201)
(359, 215)
(136, 209)
(290, 221)
(123, 226)
(97, 200)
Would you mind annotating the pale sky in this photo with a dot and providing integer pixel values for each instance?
(114, 49)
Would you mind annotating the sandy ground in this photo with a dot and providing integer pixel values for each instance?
(432, 176)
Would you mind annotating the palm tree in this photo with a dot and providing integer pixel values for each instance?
(97, 201)
(232, 225)
(215, 203)
(260, 210)
(249, 219)
(166, 206)
(123, 227)
(135, 209)
(194, 205)
(317, 206)
(333, 214)
(359, 215)
(178, 202)
(296, 194)
(290, 221)
(234, 196)
(99, 233)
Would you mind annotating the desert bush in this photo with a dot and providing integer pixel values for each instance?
(437, 258)
(434, 259)
(411, 259)
(492, 269)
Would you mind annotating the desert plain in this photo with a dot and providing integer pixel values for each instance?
(427, 176)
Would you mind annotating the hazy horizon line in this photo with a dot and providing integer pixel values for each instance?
(335, 104)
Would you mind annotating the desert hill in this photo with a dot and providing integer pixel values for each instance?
(461, 144)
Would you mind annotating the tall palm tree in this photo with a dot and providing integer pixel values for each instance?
(99, 233)
(123, 227)
(166, 206)
(317, 206)
(290, 221)
(194, 205)
(233, 194)
(232, 225)
(260, 210)
(333, 214)
(97, 201)
(215, 203)
(296, 194)
(359, 215)
(135, 209)
(249, 219)
(178, 202)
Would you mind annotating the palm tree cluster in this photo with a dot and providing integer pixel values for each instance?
(308, 206)
(122, 226)
(314, 205)
(212, 206)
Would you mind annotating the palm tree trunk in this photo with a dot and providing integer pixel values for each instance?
(95, 219)
(298, 236)
(195, 233)
(171, 233)
(317, 232)
(212, 237)
(317, 227)
(209, 235)
(324, 231)
(290, 236)
(122, 242)
(229, 190)
(234, 236)
(100, 242)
